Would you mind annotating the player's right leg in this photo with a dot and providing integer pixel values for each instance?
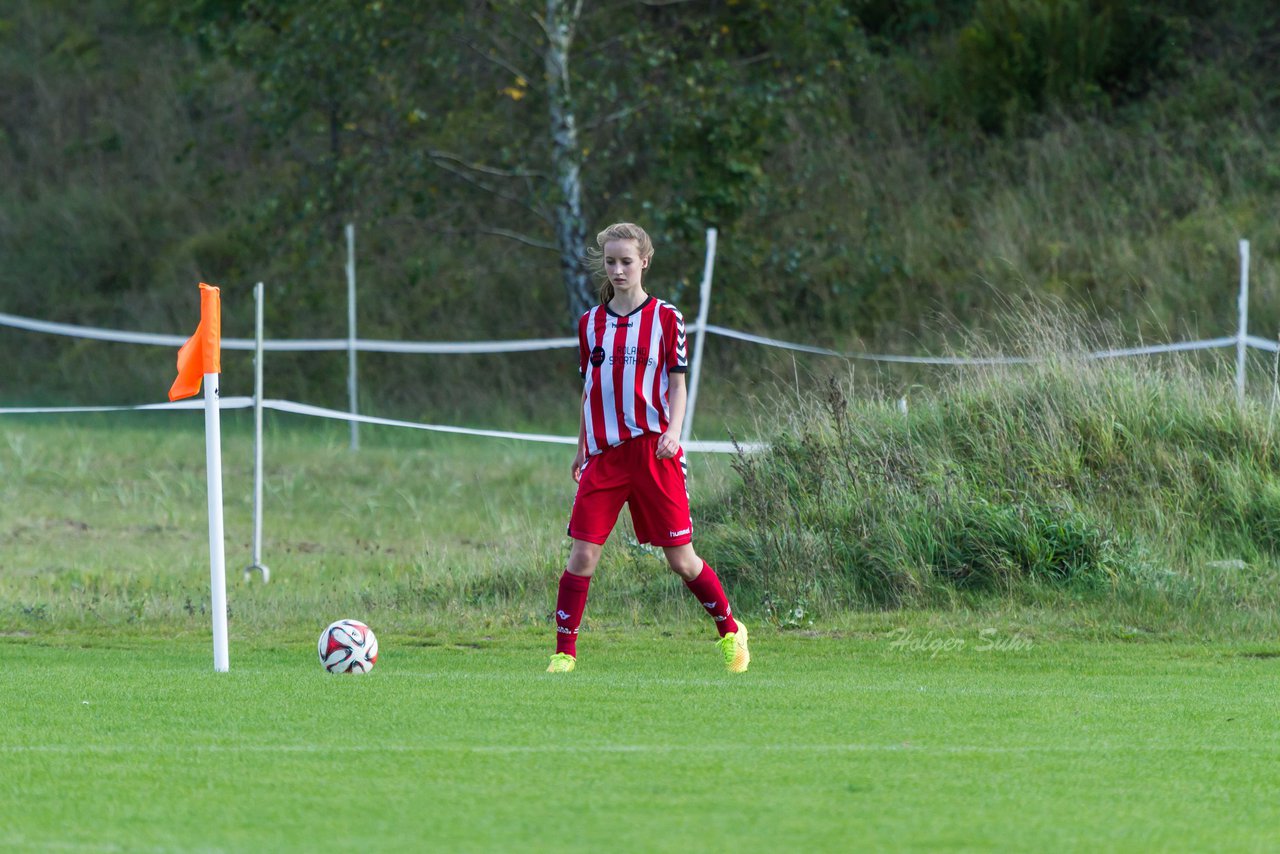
(602, 490)
(571, 602)
(603, 487)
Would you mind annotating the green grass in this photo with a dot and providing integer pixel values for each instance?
(1050, 718)
(459, 742)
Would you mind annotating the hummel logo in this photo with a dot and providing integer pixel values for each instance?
(709, 605)
(562, 615)
(679, 533)
(562, 630)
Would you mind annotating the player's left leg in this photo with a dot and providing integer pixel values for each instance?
(703, 582)
(660, 510)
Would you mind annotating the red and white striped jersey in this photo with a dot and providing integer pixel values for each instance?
(625, 362)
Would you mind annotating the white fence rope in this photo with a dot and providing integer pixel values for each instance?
(339, 415)
(534, 344)
(987, 360)
(352, 345)
(510, 346)
(296, 408)
(288, 344)
(191, 403)
(1261, 343)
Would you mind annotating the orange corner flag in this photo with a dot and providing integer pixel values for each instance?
(202, 354)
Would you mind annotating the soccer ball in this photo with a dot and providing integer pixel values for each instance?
(348, 646)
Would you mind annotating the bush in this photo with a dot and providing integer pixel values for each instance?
(1017, 58)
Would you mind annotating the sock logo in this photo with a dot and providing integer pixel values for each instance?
(562, 630)
(561, 615)
(710, 605)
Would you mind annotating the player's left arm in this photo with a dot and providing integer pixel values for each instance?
(677, 395)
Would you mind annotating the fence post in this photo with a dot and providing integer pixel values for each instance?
(352, 388)
(257, 441)
(1242, 334)
(704, 306)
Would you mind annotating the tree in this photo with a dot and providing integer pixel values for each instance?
(566, 157)
(669, 108)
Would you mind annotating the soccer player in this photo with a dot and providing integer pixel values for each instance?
(633, 359)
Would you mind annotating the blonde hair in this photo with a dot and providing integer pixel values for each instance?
(617, 231)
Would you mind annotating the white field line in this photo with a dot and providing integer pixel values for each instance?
(25, 843)
(846, 747)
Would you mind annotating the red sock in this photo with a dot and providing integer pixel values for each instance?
(709, 592)
(571, 601)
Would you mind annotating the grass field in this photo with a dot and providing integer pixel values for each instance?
(902, 740)
(1061, 724)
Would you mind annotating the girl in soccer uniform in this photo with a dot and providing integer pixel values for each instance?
(633, 359)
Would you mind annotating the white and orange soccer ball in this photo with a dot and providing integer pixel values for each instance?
(348, 646)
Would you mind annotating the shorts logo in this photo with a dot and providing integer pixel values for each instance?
(679, 533)
(597, 356)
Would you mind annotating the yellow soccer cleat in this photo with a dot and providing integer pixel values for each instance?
(561, 662)
(733, 647)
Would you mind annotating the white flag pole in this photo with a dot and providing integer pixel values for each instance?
(217, 557)
(704, 305)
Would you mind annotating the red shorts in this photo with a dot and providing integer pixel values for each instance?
(653, 489)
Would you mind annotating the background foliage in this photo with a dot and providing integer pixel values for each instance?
(877, 171)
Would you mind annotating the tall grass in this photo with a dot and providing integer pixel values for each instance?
(1064, 478)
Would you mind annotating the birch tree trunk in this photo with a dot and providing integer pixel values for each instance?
(566, 157)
